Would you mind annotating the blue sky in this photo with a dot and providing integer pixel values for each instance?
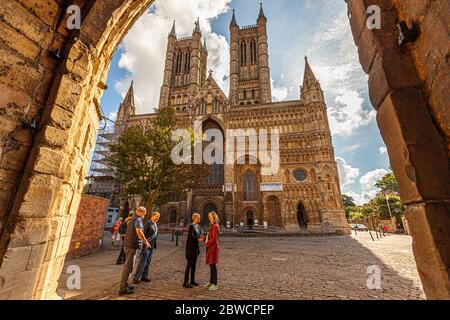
(316, 28)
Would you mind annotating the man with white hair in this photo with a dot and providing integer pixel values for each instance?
(192, 251)
(134, 238)
(145, 256)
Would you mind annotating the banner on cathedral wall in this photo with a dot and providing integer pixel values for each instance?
(271, 187)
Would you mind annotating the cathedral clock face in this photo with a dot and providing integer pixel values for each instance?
(300, 175)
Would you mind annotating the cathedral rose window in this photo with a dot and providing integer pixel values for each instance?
(300, 175)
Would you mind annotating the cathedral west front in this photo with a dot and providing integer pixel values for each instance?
(303, 193)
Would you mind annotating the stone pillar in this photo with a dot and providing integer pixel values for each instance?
(168, 70)
(399, 84)
(234, 64)
(263, 61)
(195, 72)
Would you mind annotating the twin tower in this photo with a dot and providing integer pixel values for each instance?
(186, 65)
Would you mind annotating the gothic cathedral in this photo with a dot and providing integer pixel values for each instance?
(303, 194)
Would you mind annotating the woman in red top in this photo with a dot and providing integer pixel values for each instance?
(212, 250)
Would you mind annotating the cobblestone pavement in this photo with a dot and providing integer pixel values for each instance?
(277, 268)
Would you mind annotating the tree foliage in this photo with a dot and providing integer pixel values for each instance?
(388, 184)
(377, 208)
(143, 164)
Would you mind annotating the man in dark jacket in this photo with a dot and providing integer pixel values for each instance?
(145, 257)
(134, 238)
(192, 250)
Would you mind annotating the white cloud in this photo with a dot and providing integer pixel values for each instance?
(347, 173)
(368, 188)
(145, 45)
(278, 93)
(382, 150)
(112, 116)
(350, 148)
(347, 113)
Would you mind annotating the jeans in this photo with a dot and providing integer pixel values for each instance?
(213, 278)
(190, 268)
(143, 263)
(127, 267)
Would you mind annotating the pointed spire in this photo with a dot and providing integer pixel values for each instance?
(197, 25)
(127, 107)
(309, 78)
(311, 90)
(129, 97)
(261, 11)
(233, 19)
(173, 32)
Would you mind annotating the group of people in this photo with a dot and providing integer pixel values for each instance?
(140, 242)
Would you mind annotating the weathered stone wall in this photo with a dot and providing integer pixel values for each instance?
(49, 114)
(408, 87)
(87, 234)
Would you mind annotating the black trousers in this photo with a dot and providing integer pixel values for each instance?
(213, 278)
(190, 268)
(121, 257)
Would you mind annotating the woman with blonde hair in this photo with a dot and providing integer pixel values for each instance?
(213, 250)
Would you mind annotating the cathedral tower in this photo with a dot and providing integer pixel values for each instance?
(185, 68)
(126, 110)
(311, 90)
(249, 63)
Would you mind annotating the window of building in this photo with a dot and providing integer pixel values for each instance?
(243, 53)
(203, 106)
(253, 51)
(178, 63)
(215, 174)
(216, 105)
(300, 175)
(187, 62)
(250, 187)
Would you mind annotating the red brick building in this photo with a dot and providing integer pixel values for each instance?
(87, 236)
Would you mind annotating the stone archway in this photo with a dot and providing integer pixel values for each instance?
(57, 98)
(207, 208)
(60, 100)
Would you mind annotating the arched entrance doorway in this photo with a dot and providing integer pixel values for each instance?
(302, 219)
(250, 218)
(206, 210)
(274, 212)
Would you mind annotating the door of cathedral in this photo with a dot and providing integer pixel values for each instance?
(206, 210)
(301, 216)
(250, 218)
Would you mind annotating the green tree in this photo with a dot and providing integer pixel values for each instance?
(395, 205)
(143, 163)
(388, 184)
(349, 205)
